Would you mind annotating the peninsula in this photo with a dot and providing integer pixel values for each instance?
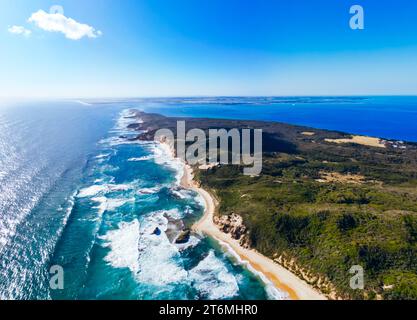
(324, 202)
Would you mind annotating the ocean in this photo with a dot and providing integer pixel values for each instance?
(385, 117)
(74, 193)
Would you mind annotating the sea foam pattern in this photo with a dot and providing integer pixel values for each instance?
(44, 148)
(62, 200)
(134, 208)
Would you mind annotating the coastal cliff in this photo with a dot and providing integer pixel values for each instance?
(234, 226)
(324, 202)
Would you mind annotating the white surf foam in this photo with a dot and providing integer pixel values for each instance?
(126, 117)
(144, 158)
(123, 244)
(102, 156)
(178, 194)
(113, 204)
(117, 141)
(163, 156)
(103, 189)
(148, 190)
(110, 204)
(91, 191)
(174, 214)
(272, 292)
(159, 260)
(102, 205)
(213, 281)
(122, 186)
(200, 200)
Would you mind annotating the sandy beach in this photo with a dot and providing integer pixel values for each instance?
(283, 279)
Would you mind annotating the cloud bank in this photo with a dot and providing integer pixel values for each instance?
(19, 30)
(57, 22)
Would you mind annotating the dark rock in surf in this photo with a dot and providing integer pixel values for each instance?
(183, 237)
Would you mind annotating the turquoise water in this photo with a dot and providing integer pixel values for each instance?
(91, 202)
(75, 194)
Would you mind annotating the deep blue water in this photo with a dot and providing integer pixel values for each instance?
(72, 193)
(385, 117)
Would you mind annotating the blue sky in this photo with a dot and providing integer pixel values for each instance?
(208, 47)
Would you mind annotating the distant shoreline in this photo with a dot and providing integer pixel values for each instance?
(281, 278)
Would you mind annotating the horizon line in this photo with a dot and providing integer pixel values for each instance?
(204, 96)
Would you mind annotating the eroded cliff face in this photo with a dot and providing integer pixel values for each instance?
(319, 282)
(233, 225)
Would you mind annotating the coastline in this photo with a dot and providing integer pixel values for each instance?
(280, 277)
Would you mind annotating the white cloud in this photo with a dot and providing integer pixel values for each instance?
(57, 22)
(19, 30)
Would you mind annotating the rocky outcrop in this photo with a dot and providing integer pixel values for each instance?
(233, 225)
(183, 237)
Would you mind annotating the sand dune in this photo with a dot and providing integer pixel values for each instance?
(363, 140)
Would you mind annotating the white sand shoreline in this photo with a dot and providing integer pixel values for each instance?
(283, 280)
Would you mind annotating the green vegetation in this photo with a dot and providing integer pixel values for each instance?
(365, 215)
(329, 227)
